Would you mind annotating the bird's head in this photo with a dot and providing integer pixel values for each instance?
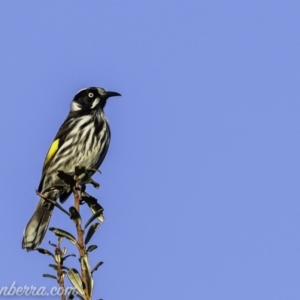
(92, 98)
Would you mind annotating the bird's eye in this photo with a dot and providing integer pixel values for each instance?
(91, 95)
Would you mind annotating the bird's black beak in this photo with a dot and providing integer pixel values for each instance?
(112, 94)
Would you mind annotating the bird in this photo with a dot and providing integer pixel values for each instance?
(82, 140)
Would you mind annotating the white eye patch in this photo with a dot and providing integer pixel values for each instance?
(95, 102)
(91, 95)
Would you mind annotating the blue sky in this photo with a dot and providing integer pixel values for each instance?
(201, 183)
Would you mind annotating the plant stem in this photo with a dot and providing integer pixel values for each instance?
(81, 246)
(60, 277)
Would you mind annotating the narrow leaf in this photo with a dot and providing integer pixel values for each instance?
(53, 245)
(97, 266)
(88, 198)
(91, 232)
(85, 266)
(49, 276)
(96, 207)
(92, 182)
(53, 266)
(93, 205)
(95, 184)
(75, 214)
(61, 208)
(91, 248)
(75, 279)
(57, 258)
(64, 258)
(93, 217)
(63, 233)
(44, 251)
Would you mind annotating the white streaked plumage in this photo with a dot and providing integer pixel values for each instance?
(82, 140)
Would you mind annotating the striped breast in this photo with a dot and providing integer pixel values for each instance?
(85, 144)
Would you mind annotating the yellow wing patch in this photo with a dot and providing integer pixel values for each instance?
(53, 149)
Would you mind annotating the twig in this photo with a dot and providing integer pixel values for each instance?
(52, 202)
(60, 275)
(81, 246)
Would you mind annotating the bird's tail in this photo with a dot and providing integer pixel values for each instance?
(37, 225)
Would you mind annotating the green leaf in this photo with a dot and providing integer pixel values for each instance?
(64, 258)
(100, 263)
(49, 276)
(95, 208)
(85, 266)
(44, 251)
(57, 258)
(75, 214)
(75, 279)
(91, 248)
(53, 245)
(93, 217)
(95, 184)
(64, 251)
(53, 266)
(61, 208)
(87, 198)
(93, 205)
(92, 182)
(63, 233)
(91, 232)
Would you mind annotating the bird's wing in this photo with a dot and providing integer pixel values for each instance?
(51, 152)
(55, 146)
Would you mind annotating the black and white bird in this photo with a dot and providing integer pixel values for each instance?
(82, 140)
